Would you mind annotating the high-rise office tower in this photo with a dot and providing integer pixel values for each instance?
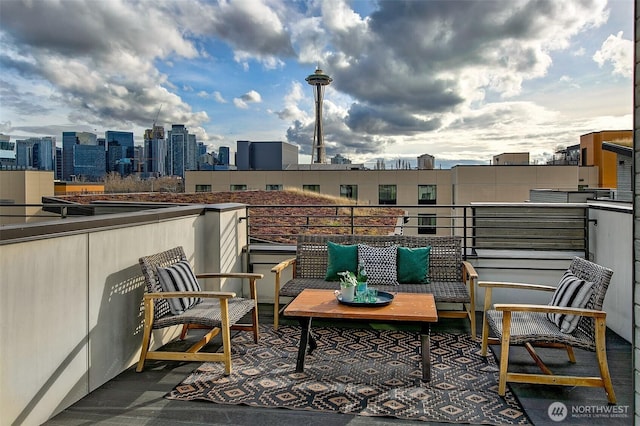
(82, 156)
(36, 153)
(182, 150)
(155, 152)
(7, 151)
(119, 151)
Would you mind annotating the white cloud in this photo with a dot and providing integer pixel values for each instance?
(239, 103)
(250, 97)
(581, 51)
(291, 111)
(568, 80)
(410, 77)
(219, 98)
(619, 52)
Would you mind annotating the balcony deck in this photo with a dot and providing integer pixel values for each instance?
(138, 398)
(101, 335)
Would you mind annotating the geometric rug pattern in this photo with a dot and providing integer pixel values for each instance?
(359, 371)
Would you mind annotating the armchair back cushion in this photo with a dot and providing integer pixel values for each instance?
(571, 292)
(179, 277)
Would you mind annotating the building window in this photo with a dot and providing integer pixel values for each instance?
(238, 187)
(311, 188)
(426, 223)
(274, 187)
(349, 191)
(203, 188)
(427, 194)
(387, 194)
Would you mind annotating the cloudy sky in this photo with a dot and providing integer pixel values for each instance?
(460, 80)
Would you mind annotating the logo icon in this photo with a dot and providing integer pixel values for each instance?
(557, 411)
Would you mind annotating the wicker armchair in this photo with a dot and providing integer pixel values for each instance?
(218, 311)
(528, 326)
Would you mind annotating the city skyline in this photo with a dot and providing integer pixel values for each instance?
(459, 80)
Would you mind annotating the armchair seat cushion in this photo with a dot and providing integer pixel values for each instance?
(207, 313)
(535, 327)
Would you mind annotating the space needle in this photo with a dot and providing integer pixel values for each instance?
(318, 80)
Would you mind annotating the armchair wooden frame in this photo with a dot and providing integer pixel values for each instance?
(527, 325)
(218, 312)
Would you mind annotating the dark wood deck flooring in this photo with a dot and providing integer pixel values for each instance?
(138, 398)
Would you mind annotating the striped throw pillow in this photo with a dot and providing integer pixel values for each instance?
(571, 292)
(179, 277)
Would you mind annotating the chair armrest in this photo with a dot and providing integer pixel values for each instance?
(203, 294)
(470, 277)
(230, 275)
(521, 286)
(470, 270)
(516, 307)
(490, 285)
(283, 265)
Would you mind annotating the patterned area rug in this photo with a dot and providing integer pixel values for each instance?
(359, 371)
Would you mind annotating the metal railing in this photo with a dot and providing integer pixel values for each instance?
(518, 226)
(483, 226)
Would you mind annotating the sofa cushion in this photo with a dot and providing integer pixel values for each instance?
(571, 292)
(179, 277)
(340, 258)
(380, 263)
(413, 265)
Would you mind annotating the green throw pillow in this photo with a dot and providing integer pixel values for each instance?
(413, 265)
(340, 258)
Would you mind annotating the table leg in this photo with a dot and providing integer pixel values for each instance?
(425, 339)
(306, 339)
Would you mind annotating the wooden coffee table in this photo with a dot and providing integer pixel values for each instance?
(405, 307)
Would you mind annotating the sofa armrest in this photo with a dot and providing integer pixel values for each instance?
(470, 271)
(291, 262)
(470, 277)
(283, 265)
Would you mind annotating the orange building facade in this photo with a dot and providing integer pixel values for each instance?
(77, 188)
(592, 154)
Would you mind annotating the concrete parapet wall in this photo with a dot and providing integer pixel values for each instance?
(71, 303)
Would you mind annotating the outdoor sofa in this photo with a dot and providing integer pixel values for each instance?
(450, 279)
